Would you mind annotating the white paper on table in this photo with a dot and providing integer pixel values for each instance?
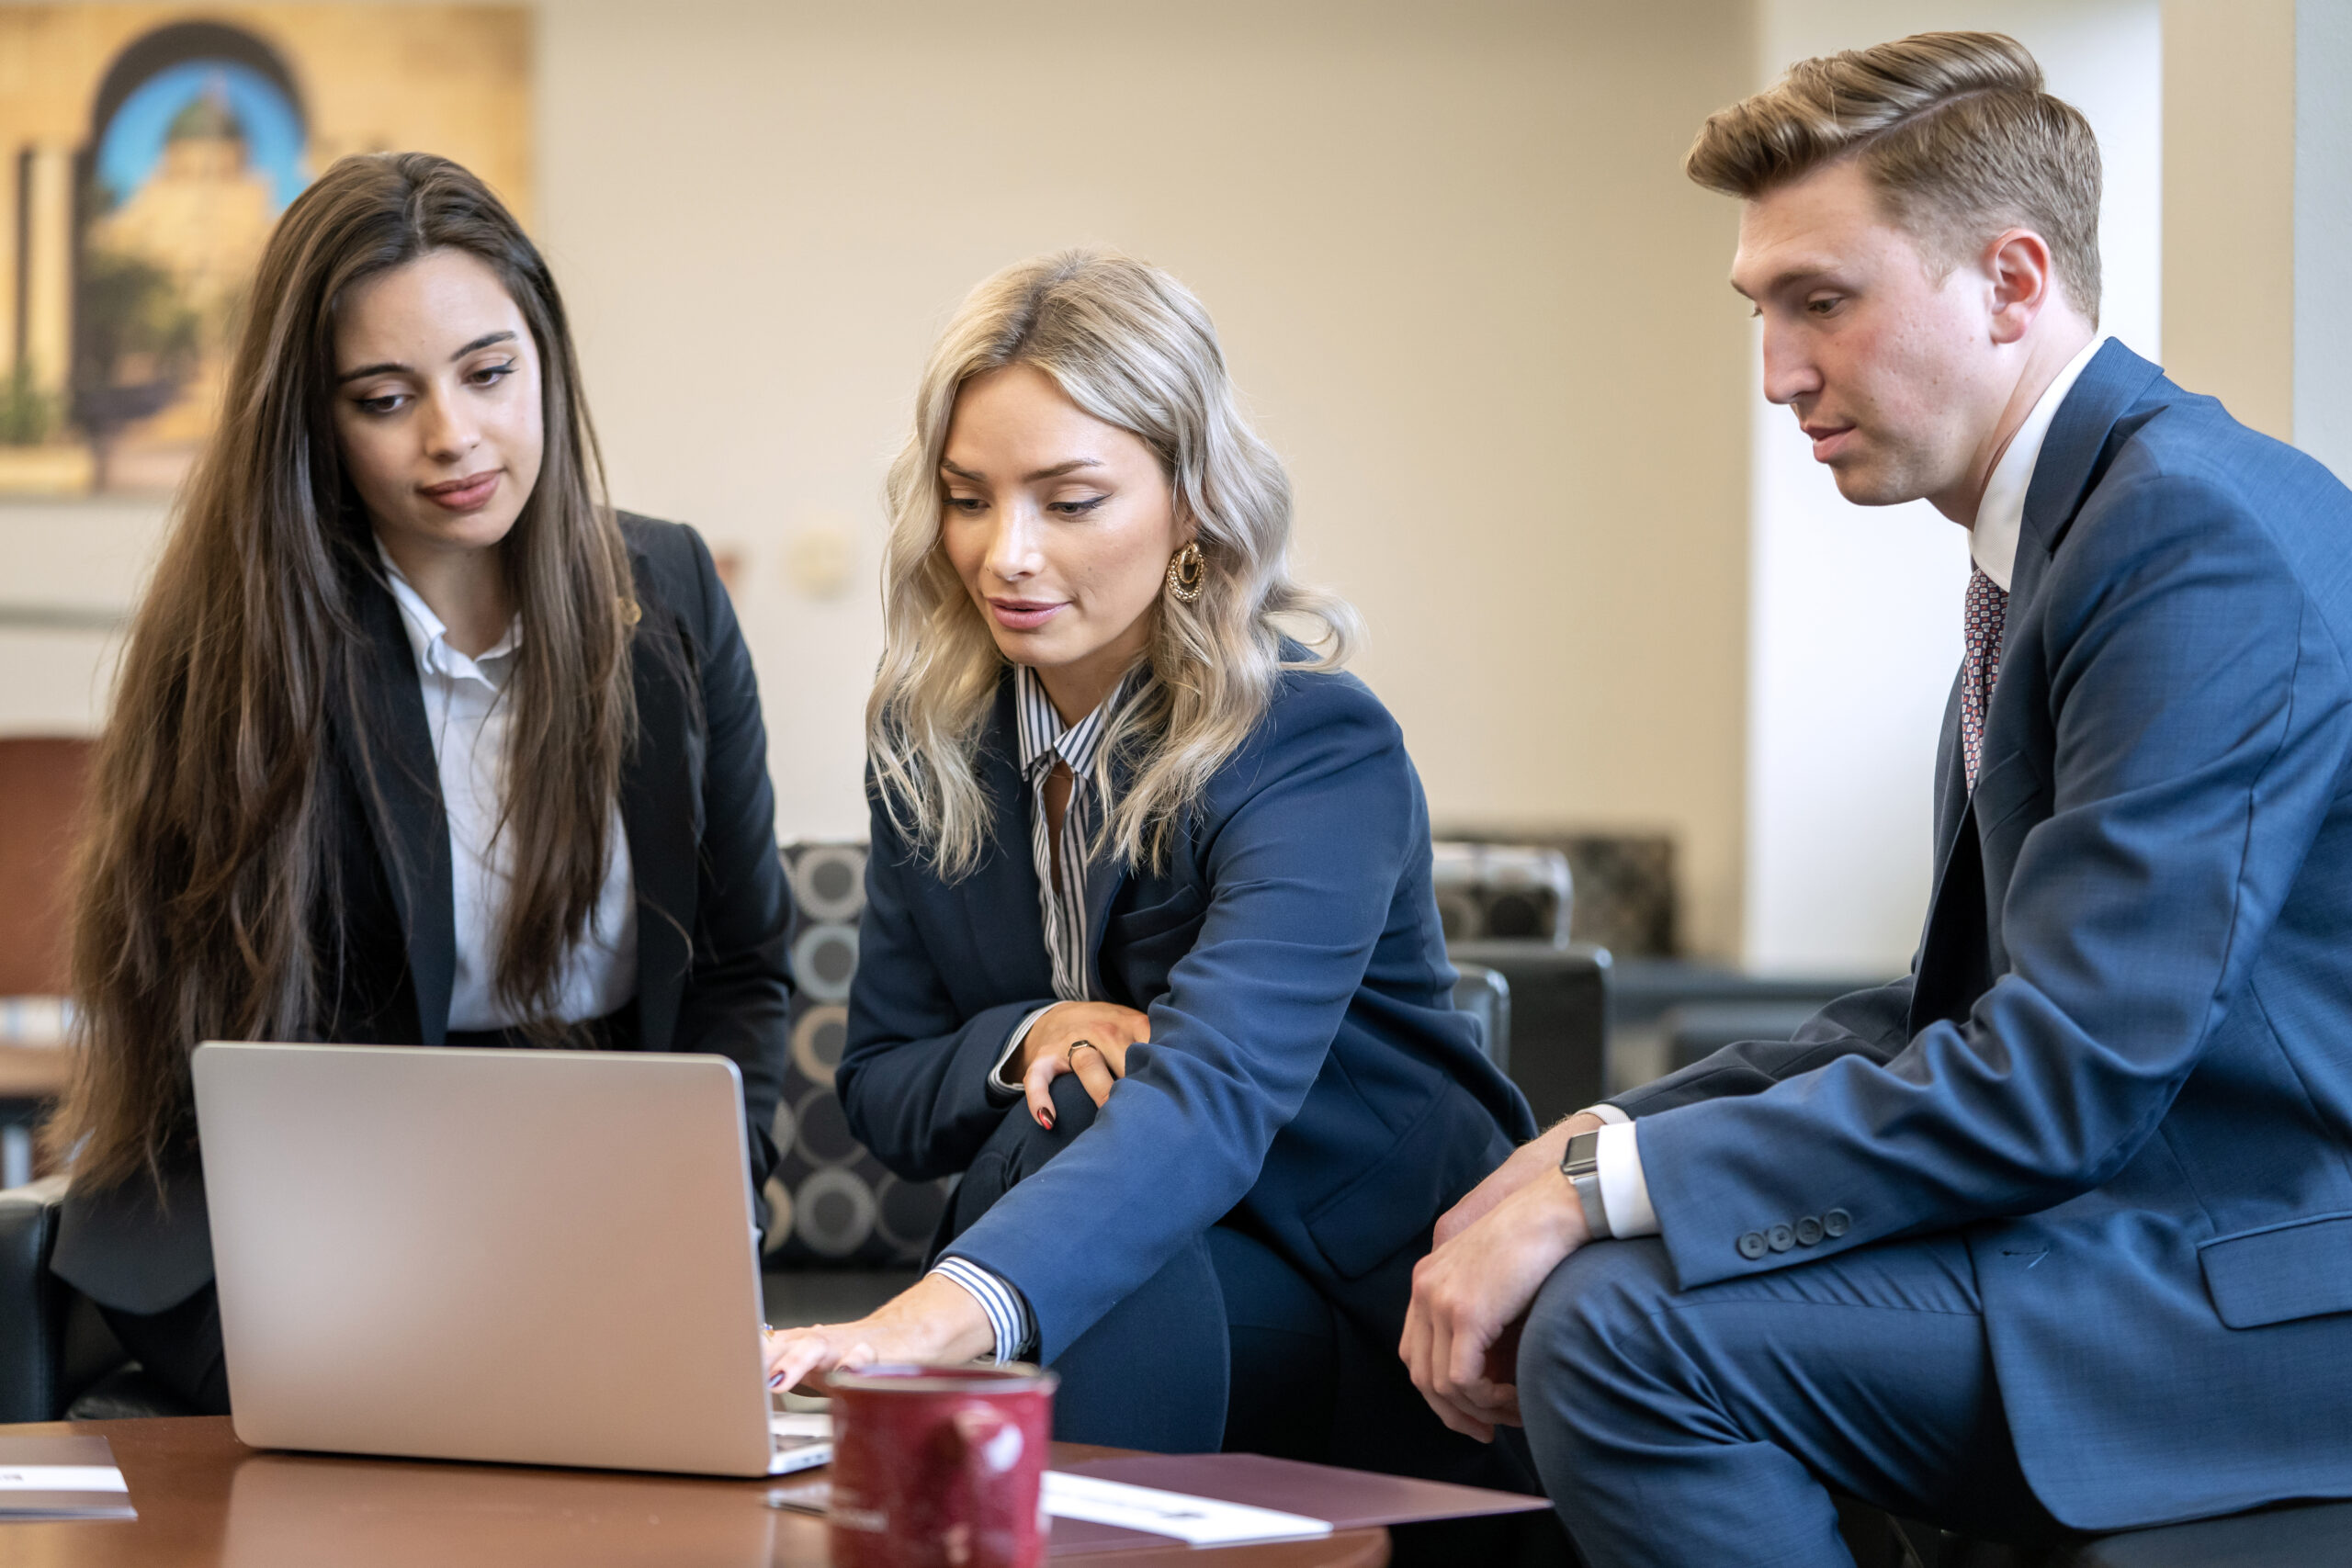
(62, 1478)
(1197, 1521)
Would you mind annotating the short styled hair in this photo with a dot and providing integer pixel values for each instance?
(1954, 131)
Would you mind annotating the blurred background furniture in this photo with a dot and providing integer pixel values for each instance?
(1485, 995)
(42, 782)
(1510, 908)
(1623, 885)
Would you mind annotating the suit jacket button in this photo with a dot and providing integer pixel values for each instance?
(1782, 1238)
(1751, 1246)
(1835, 1223)
(1808, 1232)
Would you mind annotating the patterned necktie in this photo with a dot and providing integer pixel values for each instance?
(1987, 607)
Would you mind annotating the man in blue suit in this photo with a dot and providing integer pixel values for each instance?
(2055, 1233)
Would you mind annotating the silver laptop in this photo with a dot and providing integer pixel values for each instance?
(534, 1256)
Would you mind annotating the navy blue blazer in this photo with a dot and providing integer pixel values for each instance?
(1306, 1071)
(711, 904)
(2121, 1064)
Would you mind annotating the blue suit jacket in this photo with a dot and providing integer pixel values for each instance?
(1305, 1067)
(2122, 1062)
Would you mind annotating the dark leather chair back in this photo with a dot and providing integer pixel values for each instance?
(58, 1358)
(33, 1304)
(1485, 995)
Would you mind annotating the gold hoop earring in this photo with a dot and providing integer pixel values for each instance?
(1186, 572)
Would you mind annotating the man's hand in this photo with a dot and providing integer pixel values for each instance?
(931, 1322)
(1471, 1295)
(1090, 1039)
(1530, 1163)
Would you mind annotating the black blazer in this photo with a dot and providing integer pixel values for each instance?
(712, 907)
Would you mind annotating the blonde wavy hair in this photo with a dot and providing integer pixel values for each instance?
(1131, 346)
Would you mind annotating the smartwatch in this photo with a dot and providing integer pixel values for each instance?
(1581, 1165)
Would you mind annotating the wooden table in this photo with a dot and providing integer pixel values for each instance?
(205, 1499)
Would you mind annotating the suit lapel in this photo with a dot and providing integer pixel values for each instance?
(2070, 463)
(1955, 958)
(1956, 876)
(390, 751)
(658, 815)
(1104, 877)
(1000, 898)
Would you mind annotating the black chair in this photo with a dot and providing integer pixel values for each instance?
(2293, 1535)
(58, 1358)
(1558, 1049)
(1485, 995)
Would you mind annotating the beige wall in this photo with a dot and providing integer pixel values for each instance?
(1457, 271)
(1854, 621)
(1459, 275)
(2229, 248)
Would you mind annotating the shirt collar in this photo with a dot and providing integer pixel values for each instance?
(1043, 732)
(428, 638)
(1993, 542)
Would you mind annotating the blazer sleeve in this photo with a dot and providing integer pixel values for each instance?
(1871, 1023)
(913, 1078)
(1301, 877)
(2199, 723)
(737, 1000)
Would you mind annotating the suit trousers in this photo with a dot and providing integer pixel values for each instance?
(1227, 1346)
(1676, 1427)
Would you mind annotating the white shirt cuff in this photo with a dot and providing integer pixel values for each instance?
(1009, 1316)
(1624, 1189)
(998, 1089)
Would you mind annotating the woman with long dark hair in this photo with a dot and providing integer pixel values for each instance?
(415, 738)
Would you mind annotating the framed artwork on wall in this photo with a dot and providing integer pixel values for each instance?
(146, 151)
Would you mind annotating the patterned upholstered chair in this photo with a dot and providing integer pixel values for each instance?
(845, 1234)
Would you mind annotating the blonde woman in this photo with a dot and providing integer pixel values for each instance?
(1150, 955)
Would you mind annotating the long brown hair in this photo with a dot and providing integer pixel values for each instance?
(206, 907)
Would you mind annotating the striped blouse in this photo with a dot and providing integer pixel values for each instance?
(1043, 738)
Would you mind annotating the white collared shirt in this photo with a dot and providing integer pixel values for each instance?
(2000, 514)
(470, 724)
(1992, 545)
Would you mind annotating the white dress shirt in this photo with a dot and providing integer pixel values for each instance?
(470, 722)
(1992, 545)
